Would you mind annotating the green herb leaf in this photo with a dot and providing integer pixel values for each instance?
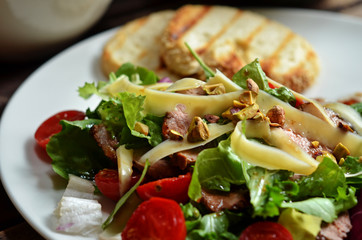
(213, 226)
(216, 169)
(208, 72)
(124, 198)
(357, 107)
(268, 189)
(136, 74)
(254, 71)
(320, 207)
(324, 181)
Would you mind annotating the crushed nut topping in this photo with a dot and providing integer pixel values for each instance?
(276, 116)
(198, 130)
(248, 97)
(211, 118)
(215, 89)
(141, 128)
(341, 151)
(174, 135)
(252, 86)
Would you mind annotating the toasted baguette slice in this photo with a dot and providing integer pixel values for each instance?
(138, 42)
(227, 38)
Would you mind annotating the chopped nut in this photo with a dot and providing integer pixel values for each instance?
(211, 118)
(259, 116)
(248, 97)
(340, 151)
(276, 115)
(215, 89)
(248, 112)
(239, 104)
(141, 128)
(344, 127)
(315, 144)
(252, 86)
(174, 135)
(198, 130)
(228, 114)
(341, 161)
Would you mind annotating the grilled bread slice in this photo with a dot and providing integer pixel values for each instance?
(138, 42)
(227, 38)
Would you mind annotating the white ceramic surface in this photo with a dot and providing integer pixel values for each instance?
(33, 28)
(29, 179)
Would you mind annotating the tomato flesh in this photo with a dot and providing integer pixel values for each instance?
(266, 231)
(175, 188)
(107, 182)
(156, 218)
(52, 126)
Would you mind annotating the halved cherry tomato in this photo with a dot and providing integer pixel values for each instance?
(156, 218)
(108, 183)
(271, 85)
(174, 188)
(52, 126)
(266, 231)
(298, 102)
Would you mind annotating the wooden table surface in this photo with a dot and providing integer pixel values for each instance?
(12, 74)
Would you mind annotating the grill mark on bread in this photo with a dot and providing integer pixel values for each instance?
(269, 63)
(214, 38)
(191, 21)
(132, 28)
(252, 35)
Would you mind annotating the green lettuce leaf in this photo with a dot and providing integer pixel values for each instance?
(352, 168)
(112, 115)
(345, 200)
(324, 181)
(357, 107)
(320, 207)
(326, 208)
(212, 226)
(216, 169)
(90, 89)
(74, 150)
(268, 189)
(120, 115)
(135, 74)
(254, 71)
(132, 108)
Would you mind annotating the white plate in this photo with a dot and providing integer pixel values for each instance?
(29, 179)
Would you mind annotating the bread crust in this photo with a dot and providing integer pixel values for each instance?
(227, 38)
(137, 42)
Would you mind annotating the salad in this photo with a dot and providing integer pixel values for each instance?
(241, 158)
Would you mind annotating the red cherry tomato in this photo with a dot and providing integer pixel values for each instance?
(156, 218)
(271, 85)
(298, 102)
(175, 188)
(52, 126)
(266, 231)
(107, 182)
